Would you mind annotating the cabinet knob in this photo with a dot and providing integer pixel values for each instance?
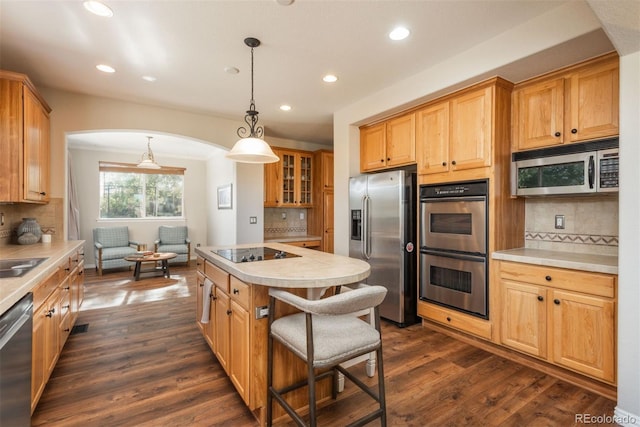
(213, 297)
(444, 163)
(453, 162)
(381, 160)
(228, 312)
(556, 301)
(574, 130)
(388, 159)
(42, 193)
(540, 298)
(66, 288)
(201, 285)
(547, 278)
(557, 134)
(67, 329)
(448, 319)
(235, 291)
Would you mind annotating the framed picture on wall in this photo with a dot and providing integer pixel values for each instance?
(224, 196)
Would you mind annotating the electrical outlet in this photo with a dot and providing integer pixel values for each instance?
(560, 222)
(253, 220)
(197, 245)
(284, 215)
(301, 215)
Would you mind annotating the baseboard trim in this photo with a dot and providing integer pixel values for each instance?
(624, 418)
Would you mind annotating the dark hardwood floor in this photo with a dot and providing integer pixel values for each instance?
(143, 362)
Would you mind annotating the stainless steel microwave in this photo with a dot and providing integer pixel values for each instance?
(585, 168)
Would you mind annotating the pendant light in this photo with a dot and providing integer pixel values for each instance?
(148, 161)
(251, 148)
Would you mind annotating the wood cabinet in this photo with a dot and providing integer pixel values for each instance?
(320, 219)
(388, 144)
(56, 302)
(457, 133)
(289, 182)
(574, 104)
(565, 317)
(24, 141)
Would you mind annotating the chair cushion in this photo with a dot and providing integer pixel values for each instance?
(335, 338)
(112, 237)
(177, 249)
(116, 253)
(172, 235)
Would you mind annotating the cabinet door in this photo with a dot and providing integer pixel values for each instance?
(524, 318)
(36, 149)
(210, 328)
(11, 137)
(594, 102)
(272, 182)
(288, 180)
(539, 115)
(584, 333)
(39, 353)
(372, 147)
(401, 141)
(239, 350)
(432, 135)
(223, 316)
(327, 171)
(327, 212)
(199, 300)
(304, 180)
(470, 142)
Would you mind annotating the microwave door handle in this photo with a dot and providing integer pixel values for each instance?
(592, 171)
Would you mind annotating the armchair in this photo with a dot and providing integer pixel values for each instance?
(111, 246)
(174, 239)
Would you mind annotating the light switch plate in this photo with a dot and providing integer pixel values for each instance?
(560, 222)
(253, 220)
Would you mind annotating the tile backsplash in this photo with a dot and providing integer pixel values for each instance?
(591, 224)
(49, 216)
(280, 222)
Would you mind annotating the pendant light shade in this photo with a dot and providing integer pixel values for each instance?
(148, 161)
(251, 148)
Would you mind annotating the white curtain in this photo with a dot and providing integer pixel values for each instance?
(74, 211)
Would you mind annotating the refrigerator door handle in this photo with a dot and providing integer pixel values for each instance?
(366, 232)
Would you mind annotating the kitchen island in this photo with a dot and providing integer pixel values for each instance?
(232, 307)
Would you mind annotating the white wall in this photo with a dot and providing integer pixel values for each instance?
(221, 223)
(250, 203)
(86, 171)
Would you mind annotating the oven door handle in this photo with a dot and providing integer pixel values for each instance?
(454, 255)
(366, 244)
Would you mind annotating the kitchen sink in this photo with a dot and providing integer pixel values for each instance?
(18, 267)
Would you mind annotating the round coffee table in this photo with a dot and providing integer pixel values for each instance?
(164, 257)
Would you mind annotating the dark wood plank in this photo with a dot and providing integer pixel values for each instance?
(143, 362)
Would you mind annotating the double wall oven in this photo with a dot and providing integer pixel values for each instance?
(453, 245)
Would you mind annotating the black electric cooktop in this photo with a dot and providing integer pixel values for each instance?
(253, 254)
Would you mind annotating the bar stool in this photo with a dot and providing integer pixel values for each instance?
(325, 334)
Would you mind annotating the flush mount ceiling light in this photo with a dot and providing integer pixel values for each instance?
(105, 68)
(251, 148)
(98, 8)
(330, 78)
(149, 78)
(399, 33)
(148, 161)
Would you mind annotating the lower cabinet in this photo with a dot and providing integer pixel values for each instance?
(565, 317)
(56, 301)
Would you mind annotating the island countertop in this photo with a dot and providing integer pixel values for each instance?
(311, 269)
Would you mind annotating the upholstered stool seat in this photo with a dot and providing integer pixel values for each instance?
(325, 334)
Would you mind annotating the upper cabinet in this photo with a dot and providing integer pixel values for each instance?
(388, 144)
(575, 104)
(457, 133)
(289, 182)
(24, 140)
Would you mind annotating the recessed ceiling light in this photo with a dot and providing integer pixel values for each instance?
(285, 107)
(105, 68)
(330, 78)
(149, 78)
(399, 33)
(98, 8)
(285, 2)
(231, 70)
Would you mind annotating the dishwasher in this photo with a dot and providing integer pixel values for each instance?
(15, 363)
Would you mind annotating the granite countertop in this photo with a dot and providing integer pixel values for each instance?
(312, 269)
(12, 289)
(286, 239)
(585, 262)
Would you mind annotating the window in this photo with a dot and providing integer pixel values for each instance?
(130, 192)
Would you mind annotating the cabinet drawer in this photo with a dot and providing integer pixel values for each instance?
(306, 243)
(200, 264)
(240, 292)
(217, 275)
(455, 319)
(42, 291)
(559, 278)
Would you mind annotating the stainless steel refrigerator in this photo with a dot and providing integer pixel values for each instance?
(383, 233)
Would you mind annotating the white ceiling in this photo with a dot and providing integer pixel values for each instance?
(187, 45)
